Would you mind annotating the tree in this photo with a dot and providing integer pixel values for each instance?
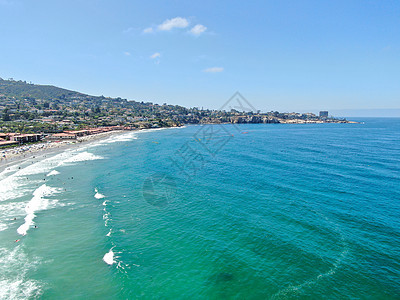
(6, 115)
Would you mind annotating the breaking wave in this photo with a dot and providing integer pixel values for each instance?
(84, 156)
(98, 195)
(38, 202)
(14, 284)
(108, 258)
(53, 173)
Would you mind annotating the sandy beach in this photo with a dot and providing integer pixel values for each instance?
(11, 156)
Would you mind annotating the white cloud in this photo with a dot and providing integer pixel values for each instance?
(198, 29)
(127, 53)
(214, 70)
(155, 55)
(148, 30)
(170, 24)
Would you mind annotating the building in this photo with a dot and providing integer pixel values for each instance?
(26, 138)
(77, 132)
(323, 114)
(4, 143)
(63, 136)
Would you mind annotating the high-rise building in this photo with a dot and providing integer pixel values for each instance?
(323, 114)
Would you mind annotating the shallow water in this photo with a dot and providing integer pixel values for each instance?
(209, 212)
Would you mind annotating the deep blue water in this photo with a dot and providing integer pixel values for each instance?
(211, 212)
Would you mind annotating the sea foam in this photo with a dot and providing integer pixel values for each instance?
(53, 173)
(14, 182)
(122, 138)
(126, 137)
(14, 284)
(11, 187)
(38, 202)
(98, 195)
(8, 211)
(84, 156)
(108, 258)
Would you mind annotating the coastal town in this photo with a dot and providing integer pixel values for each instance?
(31, 113)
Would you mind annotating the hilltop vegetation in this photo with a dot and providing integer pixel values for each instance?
(22, 89)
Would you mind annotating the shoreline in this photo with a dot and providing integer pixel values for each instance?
(40, 150)
(22, 153)
(18, 154)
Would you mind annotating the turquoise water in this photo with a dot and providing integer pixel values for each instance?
(208, 212)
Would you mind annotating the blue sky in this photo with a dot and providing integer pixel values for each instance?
(281, 55)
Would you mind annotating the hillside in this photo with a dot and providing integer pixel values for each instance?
(22, 89)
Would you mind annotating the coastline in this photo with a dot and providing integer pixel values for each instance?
(41, 150)
(21, 153)
(18, 154)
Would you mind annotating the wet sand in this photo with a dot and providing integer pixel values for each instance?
(11, 156)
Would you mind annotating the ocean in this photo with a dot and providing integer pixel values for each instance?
(252, 211)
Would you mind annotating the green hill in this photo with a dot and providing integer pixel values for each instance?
(22, 89)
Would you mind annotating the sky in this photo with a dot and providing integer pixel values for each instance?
(280, 55)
